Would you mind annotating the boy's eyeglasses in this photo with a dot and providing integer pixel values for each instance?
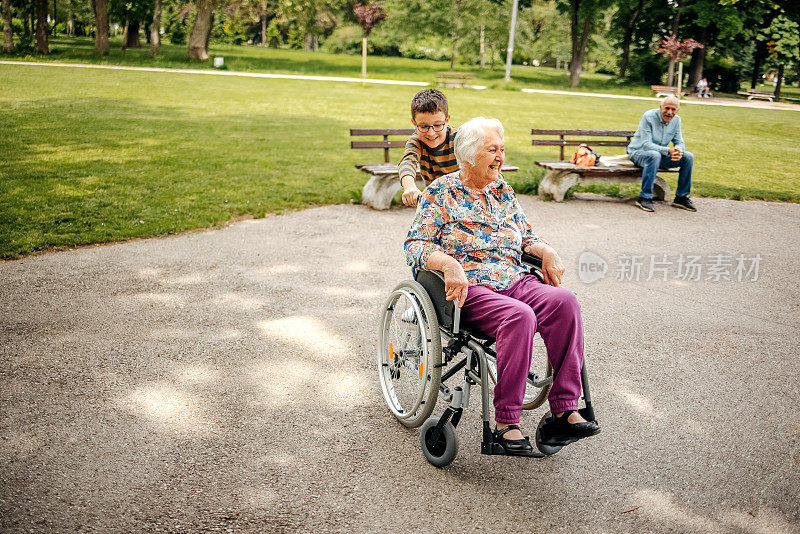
(425, 129)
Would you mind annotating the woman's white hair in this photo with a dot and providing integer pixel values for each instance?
(469, 139)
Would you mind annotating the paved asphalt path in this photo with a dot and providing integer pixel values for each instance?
(226, 381)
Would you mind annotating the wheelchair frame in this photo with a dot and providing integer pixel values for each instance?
(437, 438)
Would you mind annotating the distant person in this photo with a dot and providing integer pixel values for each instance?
(650, 150)
(431, 145)
(702, 88)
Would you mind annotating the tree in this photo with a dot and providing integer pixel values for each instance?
(201, 31)
(8, 38)
(101, 26)
(628, 15)
(782, 40)
(511, 31)
(676, 50)
(583, 15)
(42, 46)
(721, 26)
(155, 30)
(368, 15)
(541, 32)
(674, 35)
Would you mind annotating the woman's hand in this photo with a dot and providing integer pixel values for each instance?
(552, 266)
(455, 282)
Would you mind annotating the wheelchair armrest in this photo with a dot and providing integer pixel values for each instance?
(532, 260)
(433, 282)
(446, 311)
(535, 265)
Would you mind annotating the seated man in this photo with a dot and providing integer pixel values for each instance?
(650, 150)
(702, 88)
(470, 226)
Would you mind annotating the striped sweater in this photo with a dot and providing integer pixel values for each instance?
(432, 162)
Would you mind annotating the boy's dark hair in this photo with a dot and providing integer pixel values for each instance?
(428, 101)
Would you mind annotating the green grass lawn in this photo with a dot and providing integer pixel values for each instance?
(89, 156)
(256, 59)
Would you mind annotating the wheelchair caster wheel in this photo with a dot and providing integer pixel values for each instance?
(544, 448)
(444, 450)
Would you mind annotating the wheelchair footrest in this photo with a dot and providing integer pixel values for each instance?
(494, 448)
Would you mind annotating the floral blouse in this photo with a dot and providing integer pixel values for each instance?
(486, 240)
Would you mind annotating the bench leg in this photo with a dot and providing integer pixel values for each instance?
(556, 183)
(660, 189)
(379, 191)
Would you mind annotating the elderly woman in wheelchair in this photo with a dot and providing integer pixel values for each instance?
(484, 284)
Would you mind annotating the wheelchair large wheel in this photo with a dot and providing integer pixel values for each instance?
(445, 449)
(534, 395)
(410, 354)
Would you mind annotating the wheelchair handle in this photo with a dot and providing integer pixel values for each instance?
(456, 316)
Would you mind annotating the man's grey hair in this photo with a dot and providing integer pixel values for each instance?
(670, 99)
(469, 139)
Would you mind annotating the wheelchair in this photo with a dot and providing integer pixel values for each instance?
(422, 345)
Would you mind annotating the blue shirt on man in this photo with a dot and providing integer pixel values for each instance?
(654, 134)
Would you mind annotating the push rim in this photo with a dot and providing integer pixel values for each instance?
(409, 354)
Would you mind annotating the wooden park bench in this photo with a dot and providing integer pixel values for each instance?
(561, 175)
(384, 181)
(668, 90)
(756, 93)
(664, 90)
(453, 79)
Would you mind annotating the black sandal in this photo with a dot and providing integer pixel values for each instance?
(560, 430)
(512, 447)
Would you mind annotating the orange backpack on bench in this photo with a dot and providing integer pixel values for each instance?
(585, 157)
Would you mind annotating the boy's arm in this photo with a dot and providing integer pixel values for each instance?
(407, 170)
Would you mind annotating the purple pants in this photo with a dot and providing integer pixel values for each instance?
(512, 316)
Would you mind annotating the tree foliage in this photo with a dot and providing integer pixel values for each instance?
(740, 38)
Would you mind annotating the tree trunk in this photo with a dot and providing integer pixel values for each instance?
(8, 37)
(125, 26)
(55, 17)
(779, 82)
(761, 50)
(579, 41)
(42, 46)
(155, 30)
(201, 32)
(133, 39)
(627, 38)
(483, 47)
(70, 20)
(512, 31)
(264, 23)
(210, 27)
(675, 25)
(696, 66)
(101, 26)
(454, 34)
